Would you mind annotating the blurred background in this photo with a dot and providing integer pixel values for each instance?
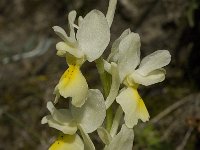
(30, 69)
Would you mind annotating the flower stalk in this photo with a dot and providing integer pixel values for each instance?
(106, 83)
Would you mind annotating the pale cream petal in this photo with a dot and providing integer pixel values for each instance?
(111, 11)
(123, 140)
(107, 66)
(113, 57)
(68, 142)
(116, 121)
(104, 135)
(93, 35)
(87, 141)
(114, 86)
(62, 116)
(61, 53)
(71, 19)
(133, 107)
(152, 78)
(129, 54)
(92, 114)
(56, 92)
(67, 127)
(156, 60)
(129, 104)
(63, 35)
(60, 119)
(73, 84)
(63, 49)
(80, 19)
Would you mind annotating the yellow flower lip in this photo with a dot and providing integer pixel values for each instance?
(67, 142)
(133, 106)
(136, 94)
(69, 74)
(73, 84)
(141, 109)
(62, 141)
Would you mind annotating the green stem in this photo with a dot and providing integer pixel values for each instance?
(109, 118)
(106, 83)
(116, 121)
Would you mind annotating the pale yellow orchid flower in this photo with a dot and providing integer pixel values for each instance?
(125, 53)
(88, 43)
(86, 118)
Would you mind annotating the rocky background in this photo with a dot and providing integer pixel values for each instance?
(29, 69)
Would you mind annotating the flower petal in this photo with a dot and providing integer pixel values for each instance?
(92, 114)
(129, 54)
(128, 103)
(152, 78)
(123, 140)
(132, 106)
(69, 128)
(114, 87)
(104, 135)
(56, 92)
(113, 57)
(80, 19)
(111, 11)
(107, 66)
(156, 60)
(68, 142)
(71, 19)
(73, 84)
(142, 111)
(60, 119)
(63, 49)
(62, 116)
(87, 141)
(116, 121)
(93, 35)
(63, 35)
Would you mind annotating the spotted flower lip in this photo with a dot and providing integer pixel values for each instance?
(72, 81)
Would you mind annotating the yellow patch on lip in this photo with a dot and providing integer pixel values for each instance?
(73, 84)
(69, 75)
(136, 94)
(61, 142)
(67, 142)
(141, 109)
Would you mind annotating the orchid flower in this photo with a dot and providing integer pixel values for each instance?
(87, 119)
(68, 142)
(125, 53)
(122, 141)
(88, 43)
